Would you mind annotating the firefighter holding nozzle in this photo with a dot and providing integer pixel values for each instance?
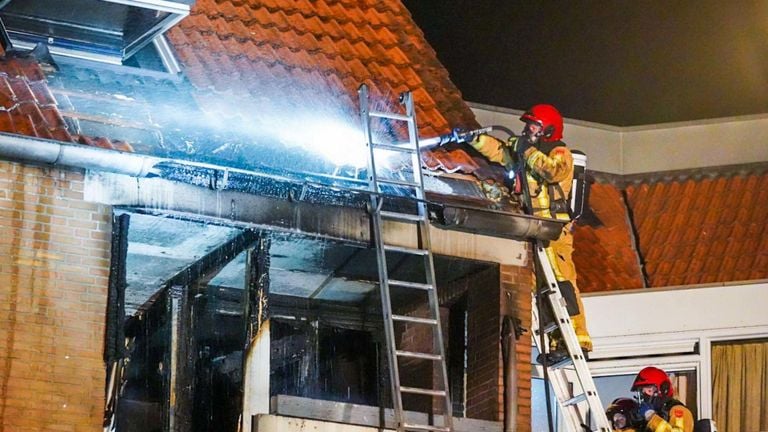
(539, 160)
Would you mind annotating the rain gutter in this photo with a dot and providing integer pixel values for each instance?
(475, 220)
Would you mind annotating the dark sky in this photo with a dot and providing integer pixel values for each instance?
(617, 62)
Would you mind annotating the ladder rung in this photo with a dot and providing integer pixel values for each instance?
(406, 284)
(423, 391)
(419, 355)
(414, 319)
(396, 148)
(392, 116)
(574, 400)
(398, 182)
(550, 328)
(402, 216)
(562, 363)
(420, 427)
(406, 250)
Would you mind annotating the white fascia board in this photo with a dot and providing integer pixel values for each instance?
(704, 309)
(641, 347)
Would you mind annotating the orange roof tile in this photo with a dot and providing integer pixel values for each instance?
(27, 106)
(690, 229)
(702, 231)
(605, 256)
(328, 47)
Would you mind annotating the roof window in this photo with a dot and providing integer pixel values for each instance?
(111, 31)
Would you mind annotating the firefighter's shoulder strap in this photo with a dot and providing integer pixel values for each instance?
(579, 188)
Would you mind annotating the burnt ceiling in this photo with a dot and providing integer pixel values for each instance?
(301, 266)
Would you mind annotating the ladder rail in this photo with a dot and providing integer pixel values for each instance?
(425, 242)
(560, 384)
(381, 259)
(421, 220)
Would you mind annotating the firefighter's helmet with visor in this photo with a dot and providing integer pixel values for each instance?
(548, 118)
(653, 376)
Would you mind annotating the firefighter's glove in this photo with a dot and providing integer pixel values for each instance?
(636, 418)
(521, 145)
(646, 409)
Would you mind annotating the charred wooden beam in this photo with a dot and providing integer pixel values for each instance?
(272, 203)
(114, 343)
(207, 266)
(256, 292)
(338, 314)
(181, 365)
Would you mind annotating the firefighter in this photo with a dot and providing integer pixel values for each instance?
(661, 411)
(548, 170)
(623, 415)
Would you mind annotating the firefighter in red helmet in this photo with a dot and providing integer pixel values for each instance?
(548, 176)
(658, 407)
(622, 413)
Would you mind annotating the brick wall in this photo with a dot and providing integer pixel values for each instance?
(419, 373)
(484, 378)
(54, 268)
(516, 286)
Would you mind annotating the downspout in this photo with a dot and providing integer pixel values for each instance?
(509, 335)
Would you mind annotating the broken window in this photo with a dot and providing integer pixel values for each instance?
(324, 362)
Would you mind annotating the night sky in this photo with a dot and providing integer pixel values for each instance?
(621, 63)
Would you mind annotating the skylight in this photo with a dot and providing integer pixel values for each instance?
(105, 30)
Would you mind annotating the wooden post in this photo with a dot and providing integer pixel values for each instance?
(181, 365)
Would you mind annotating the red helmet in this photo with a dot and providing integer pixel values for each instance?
(654, 376)
(549, 118)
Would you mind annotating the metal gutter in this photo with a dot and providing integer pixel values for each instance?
(37, 150)
(294, 196)
(494, 223)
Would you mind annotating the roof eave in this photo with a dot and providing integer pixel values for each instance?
(285, 204)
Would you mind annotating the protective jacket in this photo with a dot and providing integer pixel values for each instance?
(675, 417)
(549, 176)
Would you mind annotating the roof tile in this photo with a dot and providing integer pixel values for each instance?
(7, 97)
(604, 256)
(6, 122)
(22, 124)
(712, 220)
(359, 42)
(42, 93)
(21, 90)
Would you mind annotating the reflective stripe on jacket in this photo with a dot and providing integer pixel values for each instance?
(680, 420)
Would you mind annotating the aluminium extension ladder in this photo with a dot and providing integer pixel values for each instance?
(420, 219)
(578, 402)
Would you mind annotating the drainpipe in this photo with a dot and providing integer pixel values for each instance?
(510, 390)
(509, 335)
